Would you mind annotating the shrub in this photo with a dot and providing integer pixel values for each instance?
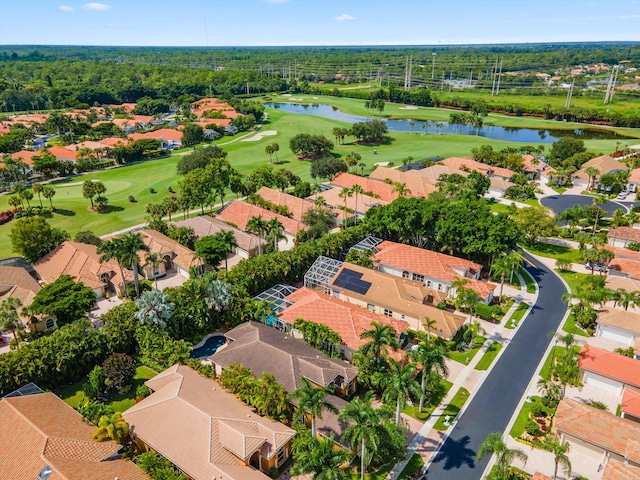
(91, 411)
(152, 190)
(142, 391)
(627, 352)
(169, 189)
(131, 198)
(96, 386)
(8, 215)
(484, 311)
(119, 369)
(537, 410)
(532, 428)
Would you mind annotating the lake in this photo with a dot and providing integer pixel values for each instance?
(508, 134)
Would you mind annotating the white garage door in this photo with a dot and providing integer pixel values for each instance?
(602, 382)
(618, 335)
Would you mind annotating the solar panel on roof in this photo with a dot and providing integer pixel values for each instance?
(352, 281)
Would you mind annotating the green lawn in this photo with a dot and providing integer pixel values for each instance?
(517, 315)
(570, 326)
(574, 280)
(412, 410)
(528, 280)
(414, 466)
(556, 351)
(453, 408)
(555, 251)
(466, 356)
(489, 356)
(73, 394)
(521, 421)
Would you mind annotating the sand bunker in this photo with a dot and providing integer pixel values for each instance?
(286, 94)
(408, 107)
(73, 184)
(259, 135)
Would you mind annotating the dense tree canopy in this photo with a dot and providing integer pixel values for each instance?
(33, 237)
(65, 299)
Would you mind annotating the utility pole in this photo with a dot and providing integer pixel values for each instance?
(567, 104)
(410, 68)
(499, 78)
(611, 85)
(442, 82)
(493, 75)
(433, 65)
(406, 72)
(450, 80)
(247, 88)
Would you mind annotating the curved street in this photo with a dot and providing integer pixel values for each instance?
(560, 203)
(494, 403)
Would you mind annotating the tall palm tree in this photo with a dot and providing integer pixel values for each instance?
(401, 189)
(432, 360)
(344, 194)
(616, 219)
(380, 337)
(598, 201)
(628, 298)
(154, 259)
(319, 457)
(398, 384)
(365, 426)
(592, 172)
(112, 427)
(269, 151)
(493, 444)
(132, 243)
(154, 307)
(357, 190)
(263, 310)
(38, 188)
(229, 238)
(428, 323)
(311, 400)
(258, 226)
(500, 267)
(113, 249)
(49, 192)
(274, 232)
(9, 316)
(559, 450)
(550, 389)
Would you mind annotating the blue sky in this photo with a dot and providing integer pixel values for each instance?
(315, 22)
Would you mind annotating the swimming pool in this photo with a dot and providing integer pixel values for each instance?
(209, 346)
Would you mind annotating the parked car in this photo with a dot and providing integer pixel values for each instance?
(621, 196)
(596, 266)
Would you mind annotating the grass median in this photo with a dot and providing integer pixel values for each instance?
(452, 409)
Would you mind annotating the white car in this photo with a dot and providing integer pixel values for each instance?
(621, 196)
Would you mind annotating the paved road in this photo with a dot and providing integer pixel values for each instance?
(559, 203)
(496, 400)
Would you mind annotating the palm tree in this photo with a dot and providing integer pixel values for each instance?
(365, 426)
(9, 316)
(500, 267)
(616, 219)
(312, 401)
(401, 189)
(432, 360)
(493, 444)
(269, 151)
(258, 226)
(559, 450)
(318, 456)
(380, 337)
(49, 192)
(132, 243)
(412, 123)
(263, 310)
(582, 238)
(275, 148)
(429, 323)
(598, 201)
(112, 428)
(468, 299)
(344, 194)
(155, 308)
(229, 238)
(628, 298)
(398, 384)
(38, 188)
(439, 125)
(592, 172)
(113, 249)
(550, 389)
(274, 232)
(154, 259)
(357, 190)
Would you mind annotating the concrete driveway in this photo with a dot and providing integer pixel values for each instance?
(560, 203)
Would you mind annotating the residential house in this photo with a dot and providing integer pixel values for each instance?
(82, 262)
(132, 124)
(44, 438)
(17, 282)
(346, 319)
(26, 156)
(232, 129)
(620, 325)
(540, 476)
(630, 405)
(604, 164)
(594, 430)
(358, 206)
(204, 430)
(173, 255)
(419, 182)
(200, 107)
(537, 169)
(609, 370)
(623, 236)
(436, 270)
(499, 177)
(125, 107)
(379, 189)
(206, 123)
(297, 207)
(62, 154)
(238, 213)
(395, 297)
(169, 138)
(205, 225)
(616, 470)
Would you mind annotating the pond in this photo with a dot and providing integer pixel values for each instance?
(508, 134)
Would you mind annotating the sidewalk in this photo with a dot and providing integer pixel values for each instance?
(427, 442)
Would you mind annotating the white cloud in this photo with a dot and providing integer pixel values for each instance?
(344, 16)
(276, 1)
(630, 16)
(96, 6)
(64, 8)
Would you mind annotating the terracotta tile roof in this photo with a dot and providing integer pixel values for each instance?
(239, 213)
(62, 153)
(604, 164)
(127, 107)
(39, 430)
(16, 282)
(74, 147)
(265, 349)
(220, 122)
(597, 427)
(203, 429)
(297, 206)
(539, 167)
(634, 176)
(113, 141)
(636, 346)
(628, 266)
(26, 156)
(625, 233)
(615, 282)
(430, 264)
(348, 320)
(615, 470)
(161, 134)
(131, 122)
(204, 104)
(540, 476)
(163, 246)
(383, 190)
(333, 200)
(206, 225)
(609, 364)
(459, 163)
(418, 182)
(624, 252)
(620, 318)
(403, 296)
(33, 118)
(81, 261)
(631, 402)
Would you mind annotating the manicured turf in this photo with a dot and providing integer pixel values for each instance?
(452, 409)
(523, 416)
(545, 371)
(554, 251)
(528, 280)
(466, 356)
(412, 410)
(414, 466)
(517, 315)
(574, 280)
(570, 326)
(73, 394)
(488, 358)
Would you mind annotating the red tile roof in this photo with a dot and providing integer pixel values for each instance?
(205, 104)
(297, 206)
(540, 476)
(62, 153)
(26, 156)
(113, 141)
(625, 233)
(415, 180)
(161, 134)
(332, 199)
(624, 319)
(348, 320)
(127, 107)
(239, 213)
(383, 190)
(459, 163)
(609, 364)
(40, 430)
(220, 122)
(615, 470)
(631, 402)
